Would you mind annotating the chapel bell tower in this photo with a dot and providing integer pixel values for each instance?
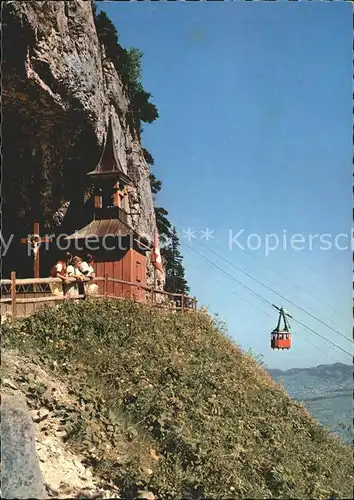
(110, 184)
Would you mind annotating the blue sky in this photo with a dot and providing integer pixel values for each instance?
(255, 134)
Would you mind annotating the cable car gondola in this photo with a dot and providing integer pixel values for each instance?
(281, 338)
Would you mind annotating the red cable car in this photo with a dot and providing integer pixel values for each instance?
(281, 338)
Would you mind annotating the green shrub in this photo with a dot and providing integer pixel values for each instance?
(155, 184)
(148, 157)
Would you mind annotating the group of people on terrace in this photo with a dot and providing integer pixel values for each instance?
(77, 267)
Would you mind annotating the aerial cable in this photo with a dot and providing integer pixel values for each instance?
(235, 293)
(321, 336)
(268, 315)
(321, 350)
(280, 295)
(230, 276)
(263, 299)
(288, 279)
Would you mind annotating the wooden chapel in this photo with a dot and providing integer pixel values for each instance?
(118, 251)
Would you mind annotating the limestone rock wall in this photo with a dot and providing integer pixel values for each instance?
(58, 92)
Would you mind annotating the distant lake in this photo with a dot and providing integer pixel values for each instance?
(333, 410)
(326, 391)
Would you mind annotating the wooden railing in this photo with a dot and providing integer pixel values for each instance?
(26, 293)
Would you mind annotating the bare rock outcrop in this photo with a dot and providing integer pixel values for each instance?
(37, 461)
(21, 476)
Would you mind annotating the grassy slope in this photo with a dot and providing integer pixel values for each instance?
(177, 385)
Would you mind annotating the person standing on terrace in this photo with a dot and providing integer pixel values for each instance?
(75, 272)
(59, 270)
(89, 272)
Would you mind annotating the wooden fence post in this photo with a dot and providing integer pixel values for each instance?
(105, 285)
(13, 294)
(182, 302)
(195, 303)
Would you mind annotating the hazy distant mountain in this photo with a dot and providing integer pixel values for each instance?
(336, 371)
(322, 379)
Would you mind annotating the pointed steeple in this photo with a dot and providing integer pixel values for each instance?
(109, 165)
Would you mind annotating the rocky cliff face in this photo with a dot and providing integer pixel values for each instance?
(58, 92)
